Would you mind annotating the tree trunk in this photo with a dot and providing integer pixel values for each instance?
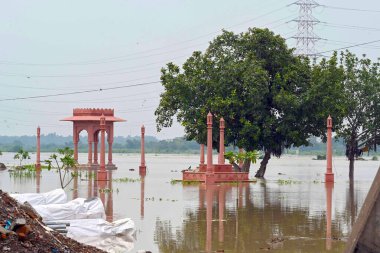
(246, 165)
(263, 165)
(352, 161)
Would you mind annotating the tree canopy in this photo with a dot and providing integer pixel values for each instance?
(252, 80)
(360, 127)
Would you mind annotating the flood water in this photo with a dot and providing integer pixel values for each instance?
(291, 211)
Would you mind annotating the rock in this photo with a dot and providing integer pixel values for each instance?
(2, 166)
(5, 248)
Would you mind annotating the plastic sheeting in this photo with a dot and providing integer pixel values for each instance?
(57, 196)
(117, 236)
(79, 208)
(111, 244)
(99, 227)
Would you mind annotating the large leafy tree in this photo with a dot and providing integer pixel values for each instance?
(252, 80)
(360, 128)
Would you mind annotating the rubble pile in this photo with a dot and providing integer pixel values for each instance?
(22, 230)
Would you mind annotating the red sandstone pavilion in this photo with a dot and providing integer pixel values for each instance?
(210, 172)
(94, 121)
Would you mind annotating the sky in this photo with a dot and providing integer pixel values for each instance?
(50, 47)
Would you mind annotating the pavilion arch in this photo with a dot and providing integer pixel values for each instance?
(89, 119)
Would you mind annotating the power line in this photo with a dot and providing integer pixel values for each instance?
(349, 9)
(356, 45)
(361, 28)
(111, 59)
(79, 92)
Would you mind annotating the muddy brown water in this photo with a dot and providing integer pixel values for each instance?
(291, 211)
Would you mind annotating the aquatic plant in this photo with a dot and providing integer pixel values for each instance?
(105, 190)
(177, 181)
(287, 182)
(21, 155)
(64, 161)
(126, 180)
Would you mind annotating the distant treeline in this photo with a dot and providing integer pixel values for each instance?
(131, 144)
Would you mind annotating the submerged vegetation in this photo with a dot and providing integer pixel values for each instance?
(126, 180)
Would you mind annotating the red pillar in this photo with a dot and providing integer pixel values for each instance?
(329, 176)
(102, 175)
(96, 151)
(110, 153)
(221, 142)
(202, 158)
(209, 170)
(75, 141)
(38, 154)
(89, 151)
(142, 167)
(110, 142)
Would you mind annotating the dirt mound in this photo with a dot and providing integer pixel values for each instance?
(21, 230)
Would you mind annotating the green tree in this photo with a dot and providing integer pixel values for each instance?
(21, 155)
(360, 128)
(64, 162)
(252, 80)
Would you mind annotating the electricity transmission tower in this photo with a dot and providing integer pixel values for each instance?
(306, 38)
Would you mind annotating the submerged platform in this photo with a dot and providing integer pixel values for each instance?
(221, 173)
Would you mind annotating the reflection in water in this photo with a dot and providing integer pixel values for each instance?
(38, 180)
(209, 203)
(142, 193)
(243, 226)
(329, 189)
(109, 205)
(75, 184)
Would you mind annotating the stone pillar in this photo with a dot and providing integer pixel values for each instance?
(142, 167)
(329, 189)
(102, 175)
(89, 151)
(221, 142)
(110, 153)
(110, 142)
(202, 159)
(75, 141)
(76, 151)
(38, 154)
(329, 176)
(96, 151)
(209, 170)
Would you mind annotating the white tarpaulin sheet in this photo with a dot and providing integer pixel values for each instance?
(79, 208)
(110, 244)
(99, 227)
(57, 196)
